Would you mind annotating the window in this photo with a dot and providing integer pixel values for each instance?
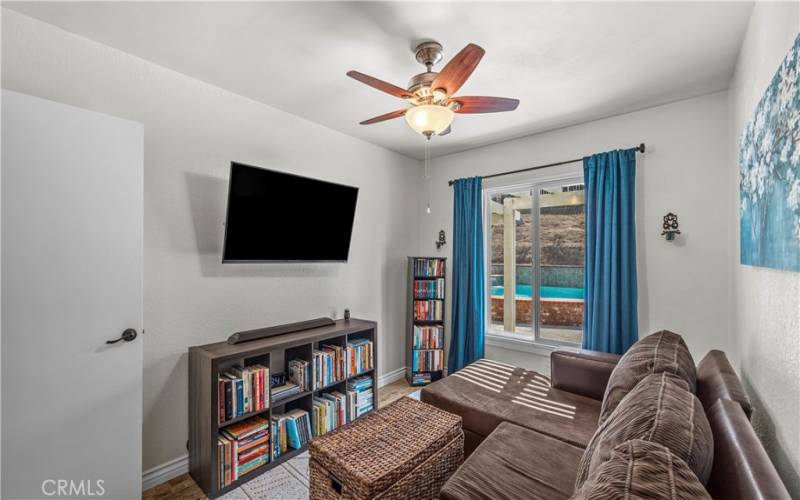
(535, 251)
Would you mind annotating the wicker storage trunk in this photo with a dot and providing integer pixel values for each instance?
(407, 450)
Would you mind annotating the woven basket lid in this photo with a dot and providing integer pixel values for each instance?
(379, 449)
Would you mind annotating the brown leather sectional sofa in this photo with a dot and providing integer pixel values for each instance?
(684, 432)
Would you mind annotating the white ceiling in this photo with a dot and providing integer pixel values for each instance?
(566, 62)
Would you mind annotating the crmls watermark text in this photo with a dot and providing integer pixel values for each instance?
(71, 488)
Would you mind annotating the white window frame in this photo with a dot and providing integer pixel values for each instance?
(497, 337)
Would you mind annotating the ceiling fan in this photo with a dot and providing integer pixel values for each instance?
(431, 94)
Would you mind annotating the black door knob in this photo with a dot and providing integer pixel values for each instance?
(128, 335)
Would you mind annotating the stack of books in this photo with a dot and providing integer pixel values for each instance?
(359, 397)
(427, 360)
(329, 412)
(428, 310)
(420, 378)
(358, 357)
(241, 448)
(300, 373)
(428, 337)
(290, 430)
(243, 390)
(428, 268)
(284, 391)
(328, 365)
(429, 289)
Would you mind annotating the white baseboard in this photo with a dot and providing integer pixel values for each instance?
(177, 466)
(164, 472)
(392, 376)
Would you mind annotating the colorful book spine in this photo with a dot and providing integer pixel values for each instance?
(358, 357)
(241, 448)
(429, 289)
(427, 360)
(428, 268)
(300, 374)
(428, 310)
(329, 365)
(242, 390)
(359, 397)
(329, 412)
(428, 337)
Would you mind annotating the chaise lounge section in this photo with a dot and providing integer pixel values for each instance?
(527, 435)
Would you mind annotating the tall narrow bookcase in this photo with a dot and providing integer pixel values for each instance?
(425, 319)
(207, 362)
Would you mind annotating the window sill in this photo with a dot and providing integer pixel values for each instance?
(514, 343)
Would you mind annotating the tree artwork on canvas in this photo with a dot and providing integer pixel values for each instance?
(769, 178)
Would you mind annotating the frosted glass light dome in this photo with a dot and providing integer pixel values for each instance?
(429, 118)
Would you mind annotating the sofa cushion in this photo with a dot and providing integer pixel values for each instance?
(640, 469)
(513, 463)
(486, 393)
(662, 351)
(716, 379)
(662, 410)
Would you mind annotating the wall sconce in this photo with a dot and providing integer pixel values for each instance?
(441, 242)
(670, 227)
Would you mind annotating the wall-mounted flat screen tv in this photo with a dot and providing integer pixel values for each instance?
(279, 217)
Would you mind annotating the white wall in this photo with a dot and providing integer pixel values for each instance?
(765, 303)
(192, 131)
(683, 285)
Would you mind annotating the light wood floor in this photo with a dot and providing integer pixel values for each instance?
(183, 487)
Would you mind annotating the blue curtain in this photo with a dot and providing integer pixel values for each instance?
(467, 324)
(610, 319)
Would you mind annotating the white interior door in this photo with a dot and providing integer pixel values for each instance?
(71, 280)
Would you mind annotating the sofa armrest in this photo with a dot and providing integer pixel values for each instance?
(582, 372)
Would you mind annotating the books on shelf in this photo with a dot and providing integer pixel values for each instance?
(329, 412)
(242, 390)
(328, 365)
(429, 289)
(428, 268)
(428, 310)
(420, 378)
(427, 360)
(241, 448)
(284, 391)
(359, 397)
(290, 430)
(300, 374)
(358, 356)
(428, 337)
(299, 428)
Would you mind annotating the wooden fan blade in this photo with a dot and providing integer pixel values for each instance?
(456, 72)
(379, 84)
(383, 118)
(483, 104)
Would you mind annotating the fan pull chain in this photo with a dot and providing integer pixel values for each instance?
(428, 173)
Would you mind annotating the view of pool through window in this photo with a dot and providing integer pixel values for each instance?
(536, 242)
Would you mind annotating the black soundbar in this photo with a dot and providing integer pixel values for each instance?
(272, 331)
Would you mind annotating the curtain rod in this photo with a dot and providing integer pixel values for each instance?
(640, 148)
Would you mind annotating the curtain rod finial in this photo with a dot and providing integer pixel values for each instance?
(640, 148)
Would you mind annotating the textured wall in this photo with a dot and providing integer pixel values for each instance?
(766, 302)
(192, 131)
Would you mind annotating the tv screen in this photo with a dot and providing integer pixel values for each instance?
(275, 216)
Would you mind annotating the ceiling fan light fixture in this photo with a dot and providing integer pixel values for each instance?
(429, 118)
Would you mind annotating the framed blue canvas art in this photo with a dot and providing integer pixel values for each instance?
(769, 176)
